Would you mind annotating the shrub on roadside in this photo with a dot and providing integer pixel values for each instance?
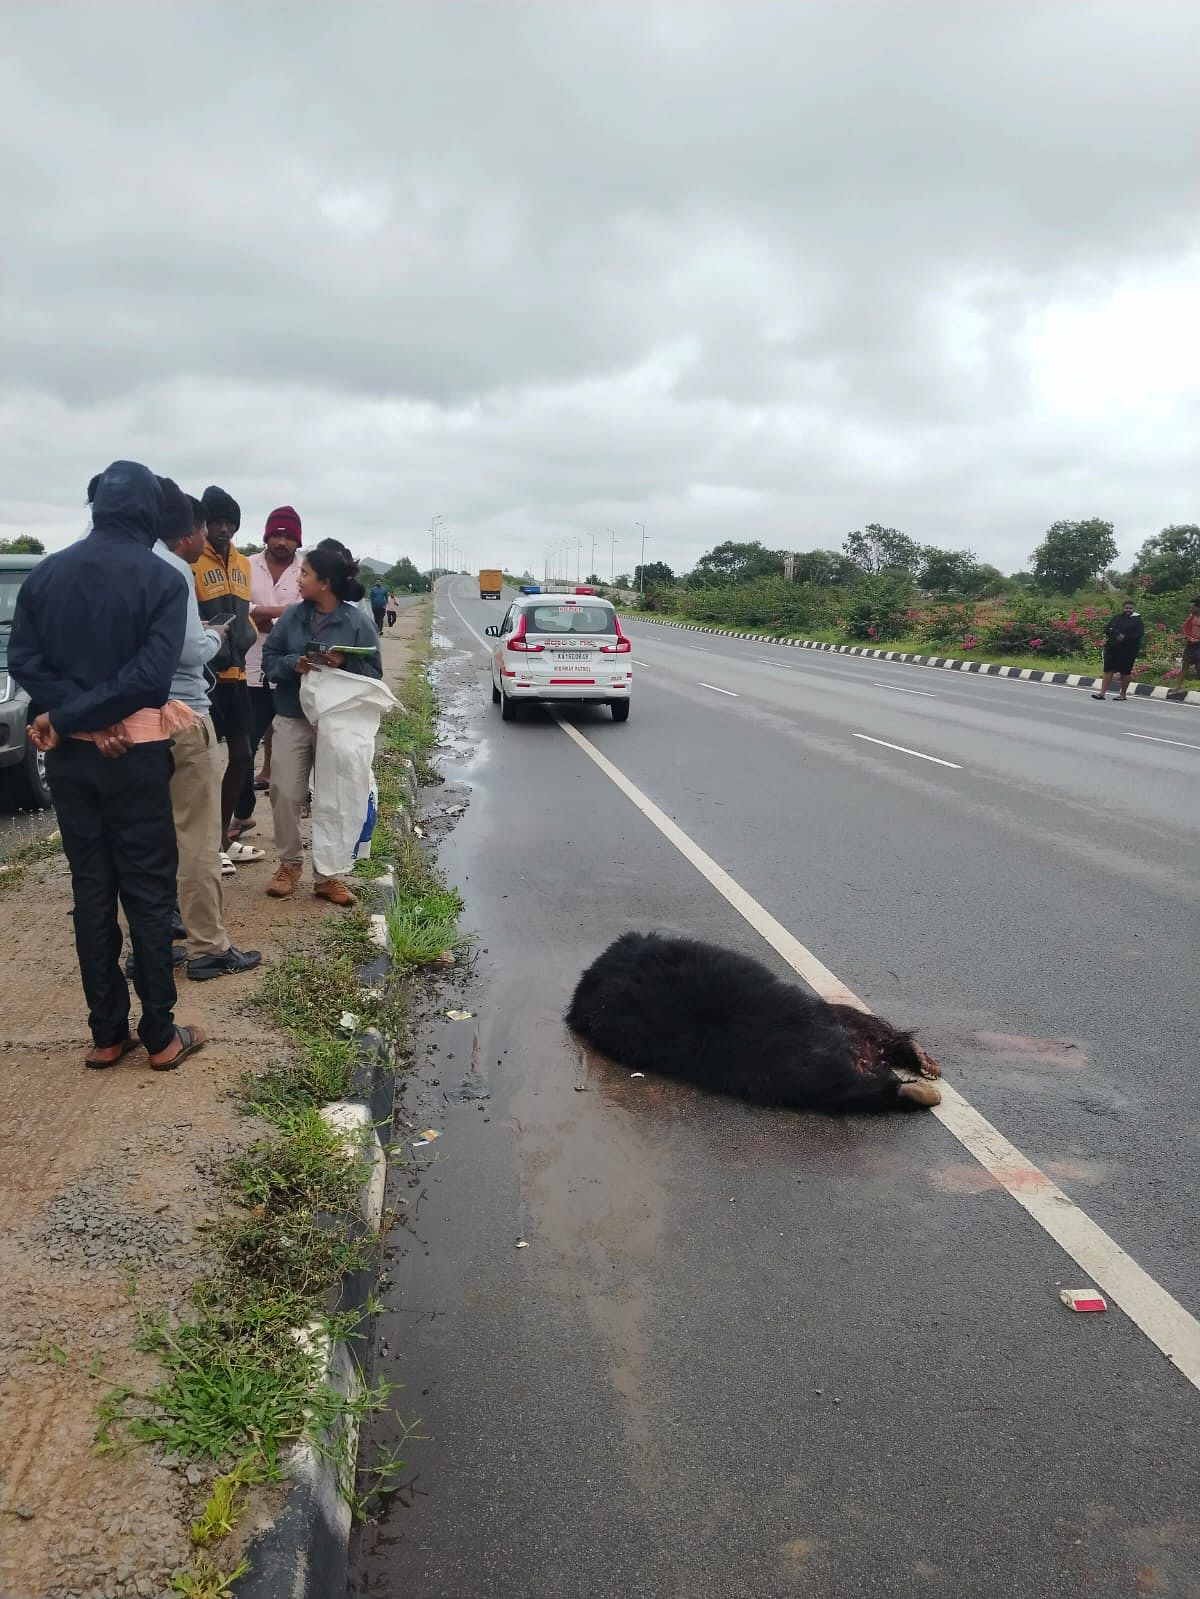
(768, 602)
(949, 624)
(877, 608)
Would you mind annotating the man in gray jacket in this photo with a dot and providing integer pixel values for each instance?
(196, 782)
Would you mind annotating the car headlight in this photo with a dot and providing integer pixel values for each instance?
(8, 688)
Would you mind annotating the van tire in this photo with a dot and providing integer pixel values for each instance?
(620, 710)
(508, 711)
(495, 693)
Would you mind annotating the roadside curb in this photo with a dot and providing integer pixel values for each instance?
(945, 662)
(303, 1553)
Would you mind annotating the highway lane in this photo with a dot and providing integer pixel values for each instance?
(1033, 912)
(1020, 696)
(1041, 935)
(1107, 758)
(642, 1402)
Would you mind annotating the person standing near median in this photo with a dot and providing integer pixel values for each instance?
(379, 599)
(1189, 666)
(196, 781)
(306, 639)
(1123, 636)
(97, 634)
(274, 585)
(222, 577)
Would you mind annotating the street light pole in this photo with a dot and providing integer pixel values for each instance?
(612, 565)
(642, 568)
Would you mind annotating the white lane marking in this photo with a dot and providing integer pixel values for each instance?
(1150, 739)
(700, 649)
(717, 690)
(924, 693)
(936, 759)
(1147, 1304)
(763, 661)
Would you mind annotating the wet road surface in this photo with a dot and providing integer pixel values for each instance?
(749, 1353)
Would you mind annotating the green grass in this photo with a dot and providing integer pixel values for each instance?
(422, 928)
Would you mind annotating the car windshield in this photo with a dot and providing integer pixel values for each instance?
(570, 619)
(10, 582)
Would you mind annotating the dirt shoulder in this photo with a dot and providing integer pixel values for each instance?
(108, 1176)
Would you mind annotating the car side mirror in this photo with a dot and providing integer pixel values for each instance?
(492, 632)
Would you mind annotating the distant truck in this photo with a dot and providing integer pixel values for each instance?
(491, 582)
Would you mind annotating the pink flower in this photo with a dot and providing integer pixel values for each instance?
(1035, 643)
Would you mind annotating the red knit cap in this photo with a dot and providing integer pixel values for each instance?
(285, 520)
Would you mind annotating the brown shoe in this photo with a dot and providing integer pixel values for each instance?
(334, 890)
(283, 884)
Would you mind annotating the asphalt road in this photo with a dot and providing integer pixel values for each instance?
(751, 1353)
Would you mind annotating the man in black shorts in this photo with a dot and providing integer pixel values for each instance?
(222, 577)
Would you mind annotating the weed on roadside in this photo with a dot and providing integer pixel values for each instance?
(16, 865)
(421, 929)
(207, 1581)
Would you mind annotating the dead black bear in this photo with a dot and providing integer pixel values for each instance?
(724, 1022)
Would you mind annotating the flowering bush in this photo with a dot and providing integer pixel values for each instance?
(947, 624)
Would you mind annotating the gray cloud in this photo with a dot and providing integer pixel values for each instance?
(737, 271)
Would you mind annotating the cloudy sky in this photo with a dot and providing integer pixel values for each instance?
(735, 271)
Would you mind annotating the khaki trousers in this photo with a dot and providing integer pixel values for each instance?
(196, 802)
(293, 746)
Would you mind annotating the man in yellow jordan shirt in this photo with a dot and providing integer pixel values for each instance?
(222, 576)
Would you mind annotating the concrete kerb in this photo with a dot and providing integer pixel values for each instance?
(303, 1552)
(945, 662)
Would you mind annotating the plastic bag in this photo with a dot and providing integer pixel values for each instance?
(362, 850)
(345, 710)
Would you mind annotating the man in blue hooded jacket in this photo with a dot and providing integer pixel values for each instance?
(97, 634)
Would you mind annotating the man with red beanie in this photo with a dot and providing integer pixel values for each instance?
(274, 585)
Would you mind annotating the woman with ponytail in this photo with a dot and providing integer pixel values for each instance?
(326, 632)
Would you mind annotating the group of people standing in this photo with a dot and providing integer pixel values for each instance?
(144, 647)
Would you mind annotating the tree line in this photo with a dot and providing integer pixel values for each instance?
(1072, 556)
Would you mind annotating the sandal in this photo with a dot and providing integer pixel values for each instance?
(241, 853)
(228, 869)
(239, 829)
(1099, 696)
(190, 1040)
(128, 1044)
(261, 785)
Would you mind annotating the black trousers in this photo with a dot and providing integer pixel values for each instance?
(118, 834)
(262, 708)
